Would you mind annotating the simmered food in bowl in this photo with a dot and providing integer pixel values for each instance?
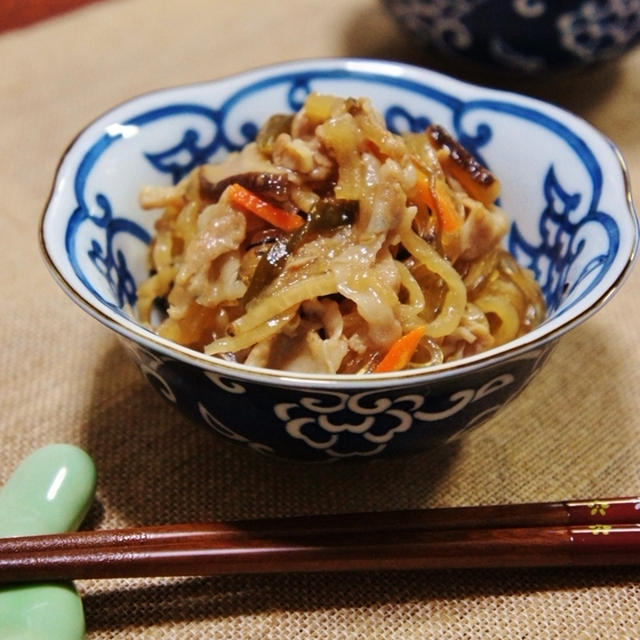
(332, 245)
(562, 185)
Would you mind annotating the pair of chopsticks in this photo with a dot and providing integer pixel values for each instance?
(590, 532)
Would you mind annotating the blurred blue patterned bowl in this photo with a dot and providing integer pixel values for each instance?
(564, 186)
(528, 36)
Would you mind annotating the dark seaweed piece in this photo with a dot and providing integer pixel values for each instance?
(273, 127)
(460, 156)
(272, 186)
(330, 213)
(326, 215)
(270, 265)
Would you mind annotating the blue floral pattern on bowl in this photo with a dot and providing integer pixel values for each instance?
(571, 227)
(309, 425)
(523, 35)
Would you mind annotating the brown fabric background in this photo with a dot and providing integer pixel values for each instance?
(63, 377)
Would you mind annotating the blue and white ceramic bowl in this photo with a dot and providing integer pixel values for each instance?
(530, 36)
(564, 186)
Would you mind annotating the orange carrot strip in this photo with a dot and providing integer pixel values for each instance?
(438, 199)
(242, 197)
(401, 351)
(423, 193)
(447, 214)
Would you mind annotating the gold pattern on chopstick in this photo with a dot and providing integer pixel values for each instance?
(598, 508)
(597, 529)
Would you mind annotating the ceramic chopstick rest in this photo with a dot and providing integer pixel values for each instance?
(49, 492)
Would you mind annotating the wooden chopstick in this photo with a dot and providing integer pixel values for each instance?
(591, 532)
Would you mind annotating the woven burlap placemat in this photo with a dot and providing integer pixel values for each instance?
(572, 434)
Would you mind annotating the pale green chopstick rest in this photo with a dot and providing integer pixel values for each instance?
(49, 492)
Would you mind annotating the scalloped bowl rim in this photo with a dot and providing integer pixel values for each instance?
(549, 330)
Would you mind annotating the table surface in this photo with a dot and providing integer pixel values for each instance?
(572, 434)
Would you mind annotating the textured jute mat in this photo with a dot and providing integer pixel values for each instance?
(573, 434)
